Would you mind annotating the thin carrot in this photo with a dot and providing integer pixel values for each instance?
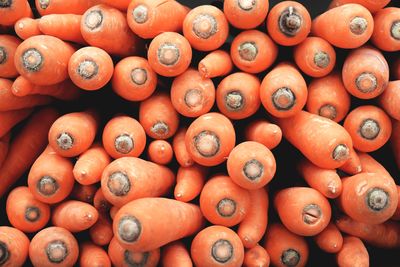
(11, 11)
(216, 63)
(92, 255)
(25, 212)
(263, 132)
(160, 152)
(14, 246)
(395, 142)
(26, 147)
(372, 5)
(101, 232)
(330, 239)
(4, 146)
(189, 182)
(46, 7)
(206, 28)
(353, 253)
(149, 223)
(396, 215)
(84, 193)
(176, 254)
(352, 165)
(217, 246)
(67, 27)
(256, 257)
(27, 27)
(180, 151)
(354, 28)
(53, 246)
(11, 118)
(8, 46)
(238, 95)
(389, 100)
(244, 14)
(191, 94)
(386, 35)
(283, 91)
(100, 202)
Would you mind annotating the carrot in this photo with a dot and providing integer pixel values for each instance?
(113, 211)
(216, 63)
(253, 51)
(4, 146)
(90, 165)
(322, 141)
(124, 136)
(101, 232)
(100, 202)
(395, 142)
(369, 164)
(263, 132)
(369, 197)
(160, 152)
(328, 97)
(180, 151)
(256, 257)
(353, 253)
(389, 100)
(210, 138)
(386, 35)
(73, 133)
(206, 28)
(325, 181)
(330, 239)
(84, 193)
(244, 14)
(254, 225)
(238, 95)
(352, 165)
(92, 255)
(25, 212)
(119, 4)
(149, 18)
(27, 27)
(128, 178)
(158, 116)
(315, 57)
(50, 178)
(396, 215)
(372, 5)
(285, 248)
(26, 147)
(365, 73)
(43, 59)
(217, 246)
(175, 254)
(14, 247)
(78, 7)
(288, 23)
(11, 11)
(121, 257)
(53, 246)
(189, 182)
(369, 127)
(134, 79)
(8, 46)
(191, 94)
(149, 223)
(352, 30)
(11, 118)
(75, 216)
(169, 54)
(283, 91)
(67, 27)
(90, 68)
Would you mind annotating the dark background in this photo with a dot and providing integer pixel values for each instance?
(108, 104)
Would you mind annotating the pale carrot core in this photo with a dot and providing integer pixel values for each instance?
(44, 3)
(377, 199)
(47, 186)
(139, 76)
(226, 207)
(57, 251)
(283, 99)
(328, 111)
(5, 3)
(4, 253)
(366, 82)
(118, 183)
(137, 259)
(248, 51)
(341, 152)
(139, 14)
(32, 214)
(253, 170)
(194, 98)
(290, 257)
(246, 4)
(204, 26)
(290, 21)
(124, 144)
(321, 59)
(369, 129)
(87, 69)
(65, 141)
(32, 60)
(3, 55)
(207, 143)
(222, 251)
(168, 54)
(358, 25)
(234, 100)
(311, 214)
(129, 229)
(395, 30)
(94, 19)
(160, 129)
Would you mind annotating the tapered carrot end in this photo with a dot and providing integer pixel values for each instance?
(358, 25)
(207, 143)
(222, 251)
(129, 229)
(290, 257)
(290, 21)
(56, 251)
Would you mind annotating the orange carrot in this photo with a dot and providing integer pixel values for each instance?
(245, 14)
(4, 146)
(395, 142)
(217, 246)
(14, 247)
(330, 239)
(263, 132)
(46, 7)
(256, 257)
(67, 27)
(386, 35)
(84, 193)
(176, 254)
(352, 165)
(369, 164)
(372, 5)
(100, 202)
(160, 152)
(101, 232)
(389, 100)
(8, 46)
(11, 11)
(396, 215)
(27, 27)
(283, 91)
(216, 63)
(191, 94)
(352, 30)
(180, 151)
(11, 118)
(353, 253)
(92, 255)
(113, 211)
(189, 182)
(119, 4)
(238, 95)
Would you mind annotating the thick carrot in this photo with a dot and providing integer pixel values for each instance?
(386, 35)
(191, 94)
(263, 132)
(210, 138)
(149, 223)
(245, 14)
(288, 23)
(396, 215)
(325, 181)
(26, 147)
(25, 212)
(14, 247)
(206, 28)
(227, 207)
(13, 10)
(330, 239)
(189, 182)
(128, 178)
(90, 68)
(352, 165)
(160, 152)
(353, 253)
(389, 100)
(158, 116)
(372, 5)
(43, 59)
(216, 63)
(254, 225)
(175, 254)
(78, 7)
(100, 202)
(67, 27)
(8, 46)
(11, 118)
(52, 247)
(50, 178)
(395, 142)
(369, 127)
(92, 255)
(119, 4)
(238, 95)
(352, 30)
(365, 73)
(253, 51)
(4, 146)
(283, 91)
(134, 79)
(101, 232)
(180, 151)
(84, 193)
(256, 257)
(285, 248)
(75, 216)
(217, 246)
(169, 54)
(73, 133)
(27, 27)
(328, 97)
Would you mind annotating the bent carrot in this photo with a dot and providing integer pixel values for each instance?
(11, 11)
(245, 14)
(176, 254)
(101, 232)
(83, 193)
(189, 182)
(372, 5)
(256, 257)
(160, 152)
(14, 246)
(8, 46)
(263, 132)
(330, 239)
(4, 146)
(11, 118)
(352, 165)
(67, 27)
(216, 63)
(27, 27)
(353, 253)
(92, 255)
(78, 7)
(180, 151)
(386, 35)
(395, 142)
(389, 100)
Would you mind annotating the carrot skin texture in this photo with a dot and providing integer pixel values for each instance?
(75, 216)
(216, 63)
(353, 253)
(389, 100)
(63, 26)
(8, 46)
(189, 182)
(180, 151)
(27, 27)
(11, 118)
(101, 232)
(17, 9)
(330, 239)
(175, 254)
(373, 6)
(385, 36)
(92, 255)
(77, 7)
(4, 146)
(16, 245)
(246, 16)
(263, 132)
(256, 257)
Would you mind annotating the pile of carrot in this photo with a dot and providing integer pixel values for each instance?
(193, 176)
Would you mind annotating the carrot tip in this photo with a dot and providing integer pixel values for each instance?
(123, 144)
(32, 214)
(290, 257)
(134, 260)
(341, 152)
(129, 229)
(94, 19)
(178, 195)
(32, 60)
(203, 70)
(3, 55)
(369, 129)
(207, 143)
(5, 3)
(65, 141)
(193, 98)
(246, 4)
(160, 129)
(119, 184)
(332, 187)
(377, 199)
(226, 207)
(204, 26)
(168, 54)
(312, 214)
(87, 69)
(139, 14)
(290, 21)
(366, 82)
(44, 3)
(358, 25)
(283, 99)
(395, 30)
(234, 100)
(321, 59)
(328, 111)
(248, 51)
(139, 76)
(56, 251)
(253, 170)
(222, 251)
(47, 186)
(4, 253)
